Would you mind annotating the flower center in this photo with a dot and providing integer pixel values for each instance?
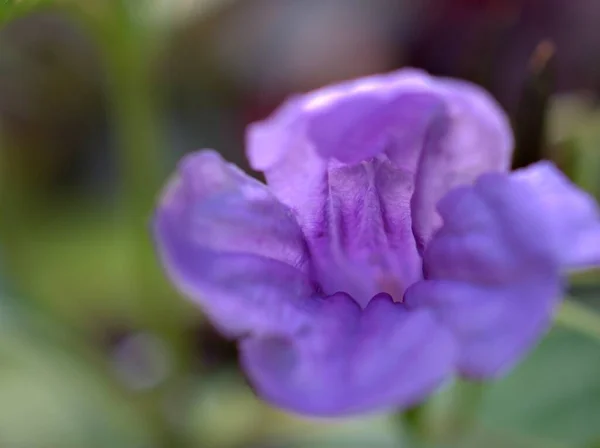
(392, 286)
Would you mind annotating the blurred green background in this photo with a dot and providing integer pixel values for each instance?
(98, 100)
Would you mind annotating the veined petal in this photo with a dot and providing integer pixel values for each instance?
(573, 213)
(341, 158)
(492, 273)
(362, 164)
(351, 361)
(231, 247)
(361, 241)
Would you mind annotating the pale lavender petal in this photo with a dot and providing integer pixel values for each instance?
(354, 212)
(350, 121)
(345, 159)
(231, 247)
(573, 212)
(384, 358)
(492, 273)
(476, 138)
(394, 121)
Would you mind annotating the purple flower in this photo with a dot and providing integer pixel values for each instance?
(391, 250)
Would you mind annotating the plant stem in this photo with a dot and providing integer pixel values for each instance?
(416, 423)
(445, 418)
(460, 417)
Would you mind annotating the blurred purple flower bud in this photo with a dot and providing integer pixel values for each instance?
(391, 250)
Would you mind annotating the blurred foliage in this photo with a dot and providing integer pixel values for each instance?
(56, 397)
(12, 9)
(554, 394)
(574, 131)
(96, 349)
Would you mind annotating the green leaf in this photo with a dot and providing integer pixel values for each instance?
(554, 394)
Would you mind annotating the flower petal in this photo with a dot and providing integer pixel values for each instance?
(348, 362)
(351, 122)
(231, 247)
(476, 138)
(345, 159)
(492, 273)
(362, 242)
(354, 212)
(573, 212)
